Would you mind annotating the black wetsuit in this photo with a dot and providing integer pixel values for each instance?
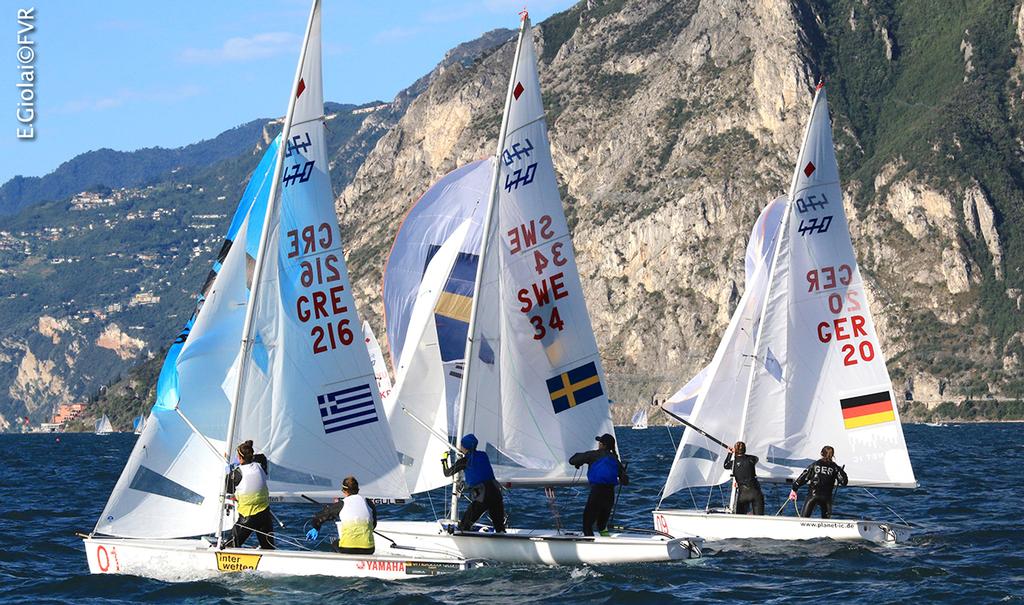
(602, 495)
(262, 522)
(821, 477)
(485, 497)
(748, 490)
(332, 511)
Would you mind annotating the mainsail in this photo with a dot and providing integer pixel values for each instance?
(800, 365)
(306, 391)
(535, 391)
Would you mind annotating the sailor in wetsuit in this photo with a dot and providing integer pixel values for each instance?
(604, 472)
(821, 477)
(484, 490)
(748, 490)
(248, 483)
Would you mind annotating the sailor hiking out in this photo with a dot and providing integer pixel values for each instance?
(248, 483)
(604, 472)
(749, 497)
(357, 517)
(822, 478)
(484, 490)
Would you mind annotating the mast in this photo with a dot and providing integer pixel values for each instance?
(247, 328)
(768, 291)
(492, 200)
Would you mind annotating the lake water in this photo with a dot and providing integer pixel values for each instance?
(968, 550)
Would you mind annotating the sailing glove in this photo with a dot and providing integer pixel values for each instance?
(312, 534)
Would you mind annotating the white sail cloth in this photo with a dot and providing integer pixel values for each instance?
(760, 248)
(536, 392)
(418, 412)
(458, 196)
(800, 365)
(380, 367)
(309, 399)
(171, 485)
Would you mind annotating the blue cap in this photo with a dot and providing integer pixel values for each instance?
(469, 441)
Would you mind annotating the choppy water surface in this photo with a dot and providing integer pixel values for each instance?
(969, 503)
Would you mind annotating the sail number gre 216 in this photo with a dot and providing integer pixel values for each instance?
(319, 269)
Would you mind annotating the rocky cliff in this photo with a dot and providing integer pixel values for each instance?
(673, 122)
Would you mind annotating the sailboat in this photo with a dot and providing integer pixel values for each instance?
(640, 419)
(269, 356)
(799, 367)
(138, 424)
(532, 389)
(103, 426)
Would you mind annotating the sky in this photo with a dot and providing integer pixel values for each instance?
(129, 74)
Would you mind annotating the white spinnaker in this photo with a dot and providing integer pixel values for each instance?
(310, 401)
(380, 367)
(760, 248)
(171, 484)
(418, 411)
(532, 324)
(721, 386)
(459, 195)
(819, 331)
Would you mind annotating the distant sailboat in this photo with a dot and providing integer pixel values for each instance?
(139, 424)
(103, 426)
(532, 390)
(799, 367)
(271, 356)
(640, 419)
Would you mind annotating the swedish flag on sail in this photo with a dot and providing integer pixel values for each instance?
(574, 387)
(452, 311)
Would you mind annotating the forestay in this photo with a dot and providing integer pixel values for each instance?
(535, 392)
(171, 483)
(309, 399)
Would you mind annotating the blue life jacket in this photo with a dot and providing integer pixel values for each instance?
(478, 468)
(604, 471)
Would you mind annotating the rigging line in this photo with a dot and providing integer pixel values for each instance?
(429, 429)
(195, 430)
(900, 517)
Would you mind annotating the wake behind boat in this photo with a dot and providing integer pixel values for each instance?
(800, 366)
(256, 361)
(532, 387)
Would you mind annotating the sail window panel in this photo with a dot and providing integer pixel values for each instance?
(152, 482)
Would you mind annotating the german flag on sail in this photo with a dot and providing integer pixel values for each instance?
(866, 410)
(574, 387)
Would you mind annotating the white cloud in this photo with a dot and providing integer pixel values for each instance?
(127, 96)
(258, 46)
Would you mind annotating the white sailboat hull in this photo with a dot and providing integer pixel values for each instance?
(195, 559)
(715, 526)
(543, 546)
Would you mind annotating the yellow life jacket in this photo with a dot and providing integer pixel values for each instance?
(356, 523)
(252, 492)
